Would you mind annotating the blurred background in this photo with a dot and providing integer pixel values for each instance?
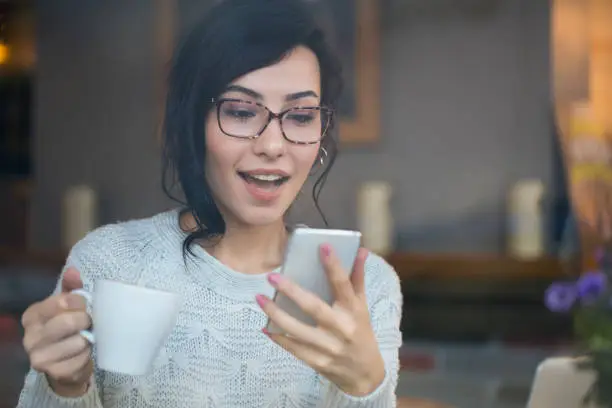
(451, 136)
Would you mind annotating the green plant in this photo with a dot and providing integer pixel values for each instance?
(590, 300)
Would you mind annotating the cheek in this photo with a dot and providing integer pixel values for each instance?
(308, 158)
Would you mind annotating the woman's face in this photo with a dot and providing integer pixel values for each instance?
(254, 181)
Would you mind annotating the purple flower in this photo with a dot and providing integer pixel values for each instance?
(591, 285)
(560, 296)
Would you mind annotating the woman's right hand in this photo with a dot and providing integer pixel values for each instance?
(53, 342)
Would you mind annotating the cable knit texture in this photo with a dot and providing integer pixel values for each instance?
(216, 356)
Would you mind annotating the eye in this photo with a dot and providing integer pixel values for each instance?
(239, 111)
(302, 117)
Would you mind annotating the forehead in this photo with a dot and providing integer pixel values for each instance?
(298, 71)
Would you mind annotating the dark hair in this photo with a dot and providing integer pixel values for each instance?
(233, 39)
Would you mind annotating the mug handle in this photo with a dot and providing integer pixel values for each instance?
(87, 334)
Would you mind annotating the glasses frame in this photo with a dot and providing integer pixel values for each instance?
(271, 116)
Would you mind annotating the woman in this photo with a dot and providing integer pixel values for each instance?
(248, 118)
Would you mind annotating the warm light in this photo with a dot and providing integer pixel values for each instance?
(4, 53)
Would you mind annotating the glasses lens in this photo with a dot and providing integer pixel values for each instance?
(305, 125)
(241, 118)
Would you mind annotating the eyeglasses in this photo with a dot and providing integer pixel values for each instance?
(248, 120)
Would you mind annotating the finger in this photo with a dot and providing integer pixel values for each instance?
(339, 280)
(287, 323)
(295, 328)
(75, 302)
(319, 361)
(71, 280)
(60, 327)
(30, 316)
(71, 369)
(54, 353)
(41, 312)
(310, 303)
(358, 275)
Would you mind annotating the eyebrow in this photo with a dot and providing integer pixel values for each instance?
(257, 95)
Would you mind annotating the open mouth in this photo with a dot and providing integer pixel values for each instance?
(264, 180)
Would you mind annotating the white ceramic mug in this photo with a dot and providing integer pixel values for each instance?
(130, 324)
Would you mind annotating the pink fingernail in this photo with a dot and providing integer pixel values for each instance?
(325, 250)
(275, 278)
(265, 331)
(261, 300)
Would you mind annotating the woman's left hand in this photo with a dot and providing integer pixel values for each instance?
(342, 347)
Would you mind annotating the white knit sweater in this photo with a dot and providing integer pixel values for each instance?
(216, 356)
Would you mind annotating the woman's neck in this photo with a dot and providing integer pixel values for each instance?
(248, 249)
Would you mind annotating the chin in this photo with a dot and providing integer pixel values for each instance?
(259, 217)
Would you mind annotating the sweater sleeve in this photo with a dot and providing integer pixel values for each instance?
(93, 258)
(385, 305)
(37, 393)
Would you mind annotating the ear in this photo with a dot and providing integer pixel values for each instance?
(319, 161)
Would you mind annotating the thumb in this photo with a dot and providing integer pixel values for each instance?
(71, 280)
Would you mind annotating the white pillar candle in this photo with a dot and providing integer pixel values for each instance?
(374, 217)
(79, 214)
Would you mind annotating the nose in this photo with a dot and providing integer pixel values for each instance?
(271, 142)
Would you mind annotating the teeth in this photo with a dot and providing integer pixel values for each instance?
(266, 177)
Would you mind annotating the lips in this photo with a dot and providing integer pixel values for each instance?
(264, 185)
(275, 177)
(263, 179)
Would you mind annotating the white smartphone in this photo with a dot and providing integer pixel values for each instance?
(303, 266)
